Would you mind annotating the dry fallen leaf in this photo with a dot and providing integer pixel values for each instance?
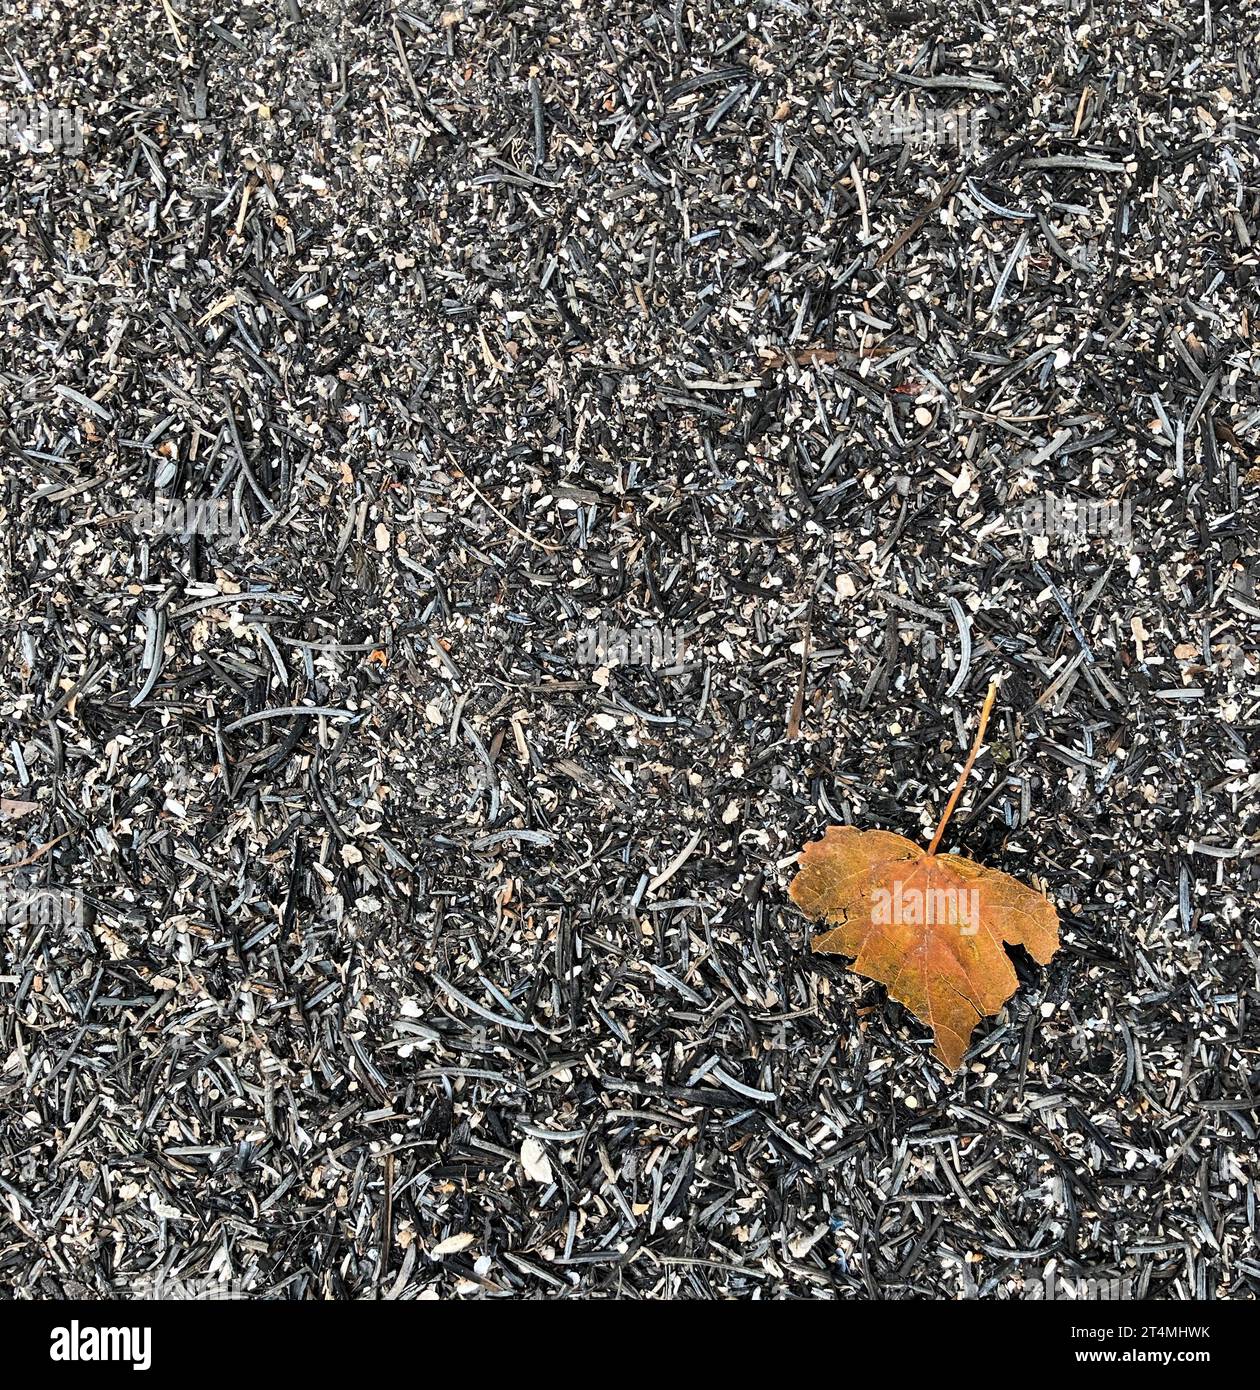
(928, 927)
(11, 810)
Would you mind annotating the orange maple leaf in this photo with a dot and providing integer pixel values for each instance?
(928, 927)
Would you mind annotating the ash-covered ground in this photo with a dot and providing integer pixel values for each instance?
(482, 489)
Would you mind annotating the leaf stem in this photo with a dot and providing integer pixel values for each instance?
(970, 763)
